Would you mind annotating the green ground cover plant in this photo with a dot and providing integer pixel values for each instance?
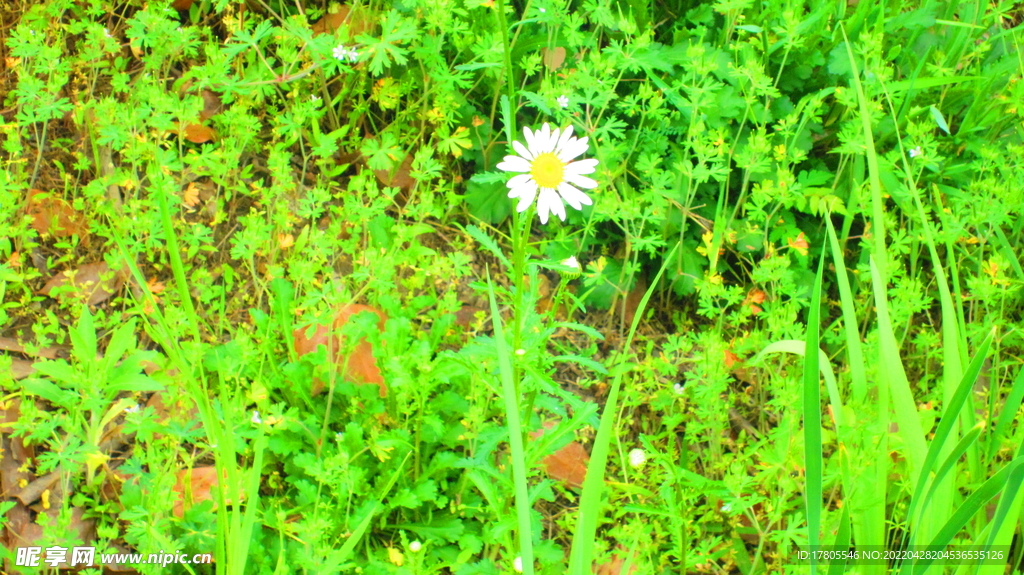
(474, 286)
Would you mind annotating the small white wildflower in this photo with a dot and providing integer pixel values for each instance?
(678, 388)
(637, 458)
(256, 418)
(520, 352)
(340, 52)
(517, 564)
(545, 165)
(353, 55)
(563, 101)
(415, 546)
(726, 508)
(314, 98)
(575, 268)
(542, 10)
(915, 152)
(132, 409)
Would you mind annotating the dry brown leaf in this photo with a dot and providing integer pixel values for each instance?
(568, 464)
(191, 195)
(361, 365)
(398, 178)
(34, 490)
(53, 216)
(359, 21)
(11, 344)
(632, 301)
(198, 133)
(614, 566)
(94, 281)
(553, 59)
(200, 480)
(212, 105)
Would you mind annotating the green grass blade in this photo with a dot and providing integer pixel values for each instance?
(515, 432)
(899, 387)
(948, 422)
(854, 352)
(812, 420)
(972, 505)
(842, 541)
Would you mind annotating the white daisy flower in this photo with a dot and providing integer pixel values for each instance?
(545, 164)
(637, 458)
(563, 101)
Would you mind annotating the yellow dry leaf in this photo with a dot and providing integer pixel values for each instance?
(191, 195)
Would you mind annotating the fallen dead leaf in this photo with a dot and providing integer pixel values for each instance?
(212, 105)
(198, 133)
(200, 482)
(54, 216)
(359, 21)
(399, 177)
(94, 281)
(553, 59)
(361, 365)
(568, 464)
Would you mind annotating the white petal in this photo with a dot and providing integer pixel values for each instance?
(531, 141)
(581, 167)
(522, 150)
(550, 202)
(573, 197)
(514, 164)
(564, 139)
(526, 193)
(573, 149)
(542, 205)
(581, 181)
(519, 181)
(544, 142)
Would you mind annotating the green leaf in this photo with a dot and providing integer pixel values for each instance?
(939, 119)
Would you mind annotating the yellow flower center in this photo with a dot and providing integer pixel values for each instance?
(547, 170)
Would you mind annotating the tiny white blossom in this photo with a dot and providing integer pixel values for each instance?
(726, 508)
(340, 52)
(353, 55)
(678, 388)
(314, 98)
(563, 101)
(517, 564)
(542, 10)
(132, 409)
(415, 546)
(520, 352)
(637, 458)
(915, 152)
(256, 418)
